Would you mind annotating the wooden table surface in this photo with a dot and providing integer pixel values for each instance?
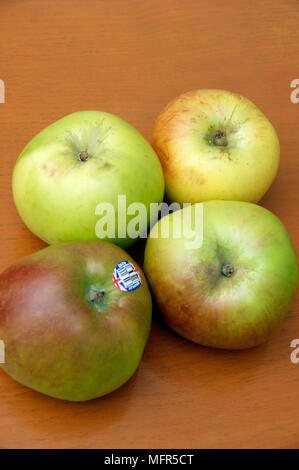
(130, 58)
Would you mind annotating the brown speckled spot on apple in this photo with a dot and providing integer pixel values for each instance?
(49, 170)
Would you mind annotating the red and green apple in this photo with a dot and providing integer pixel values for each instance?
(73, 326)
(232, 291)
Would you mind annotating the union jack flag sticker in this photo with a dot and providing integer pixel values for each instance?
(126, 277)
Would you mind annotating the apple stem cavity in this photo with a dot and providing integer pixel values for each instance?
(95, 297)
(227, 270)
(219, 139)
(83, 156)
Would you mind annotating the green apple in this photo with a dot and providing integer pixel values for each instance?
(233, 290)
(78, 162)
(73, 326)
(214, 144)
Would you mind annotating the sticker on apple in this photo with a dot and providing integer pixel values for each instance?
(126, 277)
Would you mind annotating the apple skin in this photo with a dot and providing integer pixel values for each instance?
(56, 193)
(58, 339)
(199, 164)
(202, 304)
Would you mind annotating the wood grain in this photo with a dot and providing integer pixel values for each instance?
(130, 58)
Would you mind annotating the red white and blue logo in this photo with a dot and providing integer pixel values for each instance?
(126, 277)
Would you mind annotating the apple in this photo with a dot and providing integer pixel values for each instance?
(234, 289)
(78, 162)
(74, 319)
(214, 144)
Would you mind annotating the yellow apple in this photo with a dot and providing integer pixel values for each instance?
(214, 144)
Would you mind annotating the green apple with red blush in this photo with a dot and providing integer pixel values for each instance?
(233, 290)
(74, 323)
